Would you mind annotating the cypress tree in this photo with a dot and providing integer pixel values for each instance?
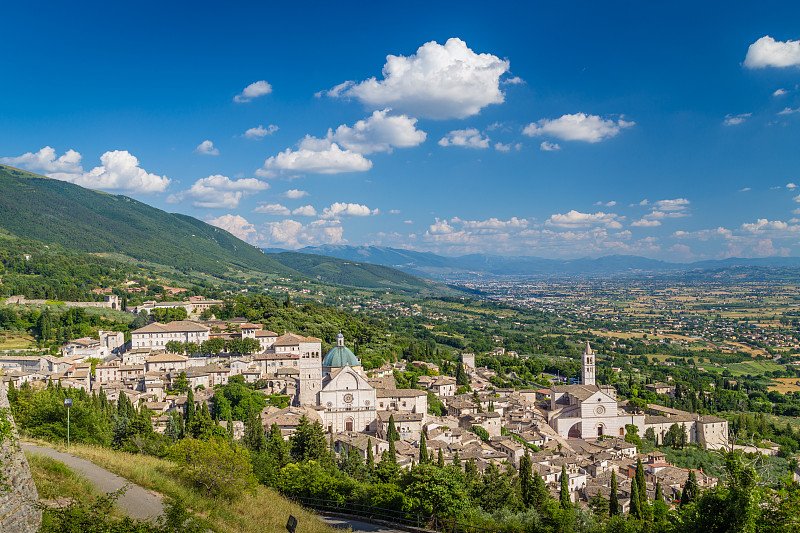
(391, 433)
(564, 496)
(641, 483)
(440, 461)
(540, 492)
(659, 494)
(423, 449)
(525, 480)
(370, 457)
(690, 489)
(456, 460)
(189, 406)
(636, 506)
(613, 502)
(229, 427)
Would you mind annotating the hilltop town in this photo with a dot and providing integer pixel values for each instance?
(577, 424)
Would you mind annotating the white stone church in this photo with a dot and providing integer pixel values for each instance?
(588, 411)
(336, 388)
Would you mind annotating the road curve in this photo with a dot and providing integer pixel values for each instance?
(137, 502)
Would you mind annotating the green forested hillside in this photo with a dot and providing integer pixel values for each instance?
(54, 212)
(354, 273)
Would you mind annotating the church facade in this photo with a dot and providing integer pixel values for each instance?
(588, 411)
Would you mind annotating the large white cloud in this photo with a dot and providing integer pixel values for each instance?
(439, 81)
(219, 191)
(576, 219)
(577, 127)
(294, 234)
(46, 160)
(379, 132)
(767, 52)
(119, 170)
(254, 90)
(468, 138)
(235, 225)
(316, 156)
(343, 209)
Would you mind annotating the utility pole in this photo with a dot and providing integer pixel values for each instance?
(68, 404)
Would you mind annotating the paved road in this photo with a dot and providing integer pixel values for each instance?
(137, 502)
(341, 523)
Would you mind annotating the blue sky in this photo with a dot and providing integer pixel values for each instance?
(556, 131)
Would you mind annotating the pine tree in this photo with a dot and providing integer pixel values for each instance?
(253, 438)
(423, 450)
(564, 498)
(461, 376)
(613, 501)
(277, 448)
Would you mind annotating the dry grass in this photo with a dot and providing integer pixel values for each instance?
(784, 385)
(263, 510)
(14, 340)
(55, 480)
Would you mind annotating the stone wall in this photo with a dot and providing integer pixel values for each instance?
(18, 512)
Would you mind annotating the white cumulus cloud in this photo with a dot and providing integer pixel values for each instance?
(468, 138)
(343, 209)
(46, 160)
(316, 156)
(767, 52)
(380, 132)
(260, 132)
(549, 147)
(780, 92)
(254, 90)
(272, 209)
(119, 170)
(305, 211)
(236, 225)
(645, 223)
(576, 219)
(577, 127)
(295, 194)
(219, 191)
(439, 82)
(735, 120)
(206, 148)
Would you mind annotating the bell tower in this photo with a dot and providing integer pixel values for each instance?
(587, 366)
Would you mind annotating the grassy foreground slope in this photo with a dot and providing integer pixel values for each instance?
(263, 510)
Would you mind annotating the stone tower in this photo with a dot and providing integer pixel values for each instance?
(587, 366)
(309, 383)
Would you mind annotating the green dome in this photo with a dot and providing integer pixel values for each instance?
(340, 355)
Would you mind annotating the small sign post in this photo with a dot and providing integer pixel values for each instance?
(291, 525)
(68, 404)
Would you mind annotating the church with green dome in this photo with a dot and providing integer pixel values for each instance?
(339, 357)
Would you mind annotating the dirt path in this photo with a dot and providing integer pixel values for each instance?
(137, 502)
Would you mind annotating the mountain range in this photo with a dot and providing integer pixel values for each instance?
(440, 267)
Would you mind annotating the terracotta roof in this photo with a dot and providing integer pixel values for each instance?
(399, 393)
(172, 327)
(167, 358)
